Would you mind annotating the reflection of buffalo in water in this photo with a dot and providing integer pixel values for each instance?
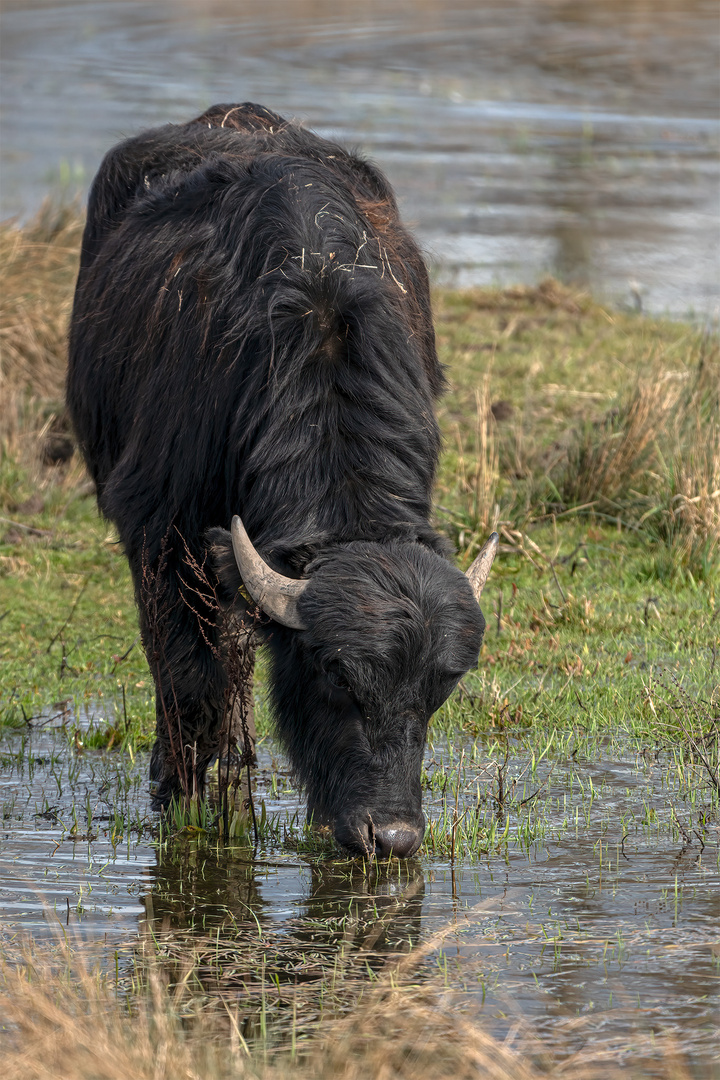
(246, 925)
(374, 909)
(252, 335)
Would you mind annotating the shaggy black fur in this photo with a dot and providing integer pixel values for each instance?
(252, 334)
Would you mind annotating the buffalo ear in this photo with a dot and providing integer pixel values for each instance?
(222, 560)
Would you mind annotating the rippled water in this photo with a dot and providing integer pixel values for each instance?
(523, 138)
(594, 919)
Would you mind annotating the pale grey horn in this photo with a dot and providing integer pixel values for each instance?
(478, 573)
(274, 593)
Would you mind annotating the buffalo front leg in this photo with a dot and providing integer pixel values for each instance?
(190, 697)
(201, 659)
(237, 743)
(182, 640)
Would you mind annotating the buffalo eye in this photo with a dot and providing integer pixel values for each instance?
(339, 691)
(337, 680)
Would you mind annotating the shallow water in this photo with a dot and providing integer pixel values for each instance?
(593, 919)
(523, 138)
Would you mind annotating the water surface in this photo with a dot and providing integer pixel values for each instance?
(523, 137)
(592, 917)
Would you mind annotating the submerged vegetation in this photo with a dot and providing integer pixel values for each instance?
(590, 440)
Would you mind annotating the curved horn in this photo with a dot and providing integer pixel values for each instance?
(477, 575)
(275, 594)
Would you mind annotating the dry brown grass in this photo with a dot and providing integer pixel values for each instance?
(477, 476)
(38, 266)
(60, 1021)
(685, 514)
(609, 458)
(689, 518)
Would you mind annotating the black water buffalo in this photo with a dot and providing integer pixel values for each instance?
(252, 336)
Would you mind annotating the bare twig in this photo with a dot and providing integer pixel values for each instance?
(26, 528)
(125, 655)
(67, 622)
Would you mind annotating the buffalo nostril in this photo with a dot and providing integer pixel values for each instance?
(398, 839)
(364, 838)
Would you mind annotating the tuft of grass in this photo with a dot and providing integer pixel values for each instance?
(608, 459)
(559, 407)
(654, 460)
(685, 516)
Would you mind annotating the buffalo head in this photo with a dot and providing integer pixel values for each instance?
(364, 649)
